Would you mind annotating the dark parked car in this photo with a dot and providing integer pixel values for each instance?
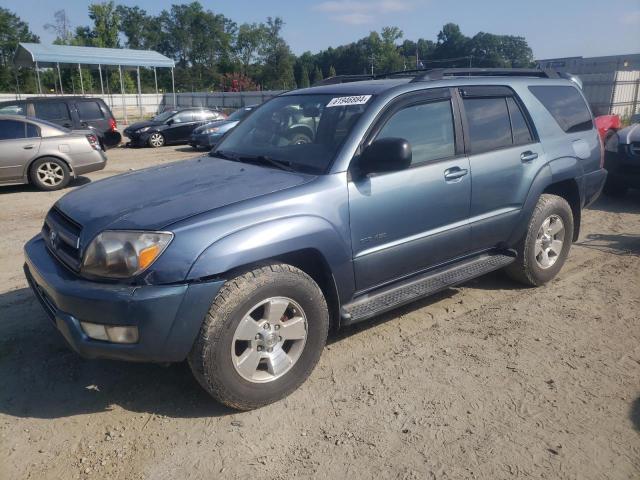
(208, 135)
(74, 113)
(622, 161)
(172, 126)
(241, 263)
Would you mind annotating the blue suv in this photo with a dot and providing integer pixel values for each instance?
(242, 262)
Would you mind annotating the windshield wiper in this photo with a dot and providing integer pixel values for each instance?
(224, 154)
(281, 164)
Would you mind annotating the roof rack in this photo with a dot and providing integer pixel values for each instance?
(440, 73)
(424, 75)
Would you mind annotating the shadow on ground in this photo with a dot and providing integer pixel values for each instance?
(618, 244)
(635, 414)
(76, 182)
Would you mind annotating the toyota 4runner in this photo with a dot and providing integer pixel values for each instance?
(242, 262)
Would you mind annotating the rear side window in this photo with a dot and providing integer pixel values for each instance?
(183, 117)
(53, 111)
(427, 127)
(519, 128)
(12, 109)
(11, 130)
(32, 130)
(89, 111)
(489, 124)
(567, 106)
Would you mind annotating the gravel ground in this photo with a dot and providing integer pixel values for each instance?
(488, 380)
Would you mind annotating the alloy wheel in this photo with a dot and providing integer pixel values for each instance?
(549, 241)
(50, 173)
(269, 340)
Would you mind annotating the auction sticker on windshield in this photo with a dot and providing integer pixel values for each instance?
(354, 100)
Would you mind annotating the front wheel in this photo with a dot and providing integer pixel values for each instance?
(546, 244)
(262, 337)
(156, 140)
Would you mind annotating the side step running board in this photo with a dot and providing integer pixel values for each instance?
(375, 303)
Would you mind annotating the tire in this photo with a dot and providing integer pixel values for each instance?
(49, 174)
(156, 140)
(300, 138)
(215, 354)
(540, 259)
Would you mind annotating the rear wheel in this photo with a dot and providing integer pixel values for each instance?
(546, 245)
(49, 173)
(262, 337)
(156, 140)
(300, 138)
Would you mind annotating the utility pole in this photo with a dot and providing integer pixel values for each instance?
(372, 59)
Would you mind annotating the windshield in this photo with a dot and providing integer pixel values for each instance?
(303, 132)
(240, 114)
(164, 115)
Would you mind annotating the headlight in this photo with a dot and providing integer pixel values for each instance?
(209, 131)
(143, 129)
(123, 254)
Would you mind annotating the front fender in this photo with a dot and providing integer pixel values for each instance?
(276, 238)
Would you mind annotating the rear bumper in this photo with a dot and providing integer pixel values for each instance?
(202, 140)
(93, 162)
(168, 317)
(593, 183)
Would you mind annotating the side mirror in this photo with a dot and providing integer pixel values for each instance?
(386, 155)
(170, 121)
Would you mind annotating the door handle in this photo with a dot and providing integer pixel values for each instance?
(528, 156)
(28, 147)
(454, 173)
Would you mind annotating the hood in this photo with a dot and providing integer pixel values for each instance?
(154, 198)
(629, 134)
(138, 125)
(223, 125)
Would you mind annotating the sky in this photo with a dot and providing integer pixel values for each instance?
(553, 28)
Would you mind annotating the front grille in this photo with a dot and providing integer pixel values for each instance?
(62, 236)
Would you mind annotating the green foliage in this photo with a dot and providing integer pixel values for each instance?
(211, 51)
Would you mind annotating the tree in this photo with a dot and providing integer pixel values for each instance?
(134, 24)
(12, 31)
(106, 24)
(61, 26)
(451, 44)
(277, 57)
(248, 43)
(304, 78)
(332, 71)
(317, 75)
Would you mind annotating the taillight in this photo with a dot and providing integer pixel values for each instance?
(112, 124)
(93, 141)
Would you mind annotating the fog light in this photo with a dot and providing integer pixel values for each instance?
(110, 333)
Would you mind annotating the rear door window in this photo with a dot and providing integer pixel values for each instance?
(32, 130)
(183, 117)
(53, 111)
(489, 124)
(11, 130)
(89, 111)
(567, 107)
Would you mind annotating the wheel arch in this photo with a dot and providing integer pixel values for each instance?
(27, 168)
(570, 191)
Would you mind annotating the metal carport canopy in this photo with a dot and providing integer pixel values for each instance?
(30, 54)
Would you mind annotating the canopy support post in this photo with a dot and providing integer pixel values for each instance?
(155, 78)
(173, 86)
(81, 82)
(60, 78)
(124, 106)
(139, 92)
(101, 84)
(38, 77)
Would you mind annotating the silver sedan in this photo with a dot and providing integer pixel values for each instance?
(44, 154)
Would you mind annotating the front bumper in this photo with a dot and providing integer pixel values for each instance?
(623, 168)
(137, 140)
(204, 140)
(168, 317)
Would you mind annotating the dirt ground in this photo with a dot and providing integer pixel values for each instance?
(488, 380)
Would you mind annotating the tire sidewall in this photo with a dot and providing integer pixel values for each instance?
(218, 357)
(43, 186)
(555, 206)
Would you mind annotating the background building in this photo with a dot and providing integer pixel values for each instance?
(611, 83)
